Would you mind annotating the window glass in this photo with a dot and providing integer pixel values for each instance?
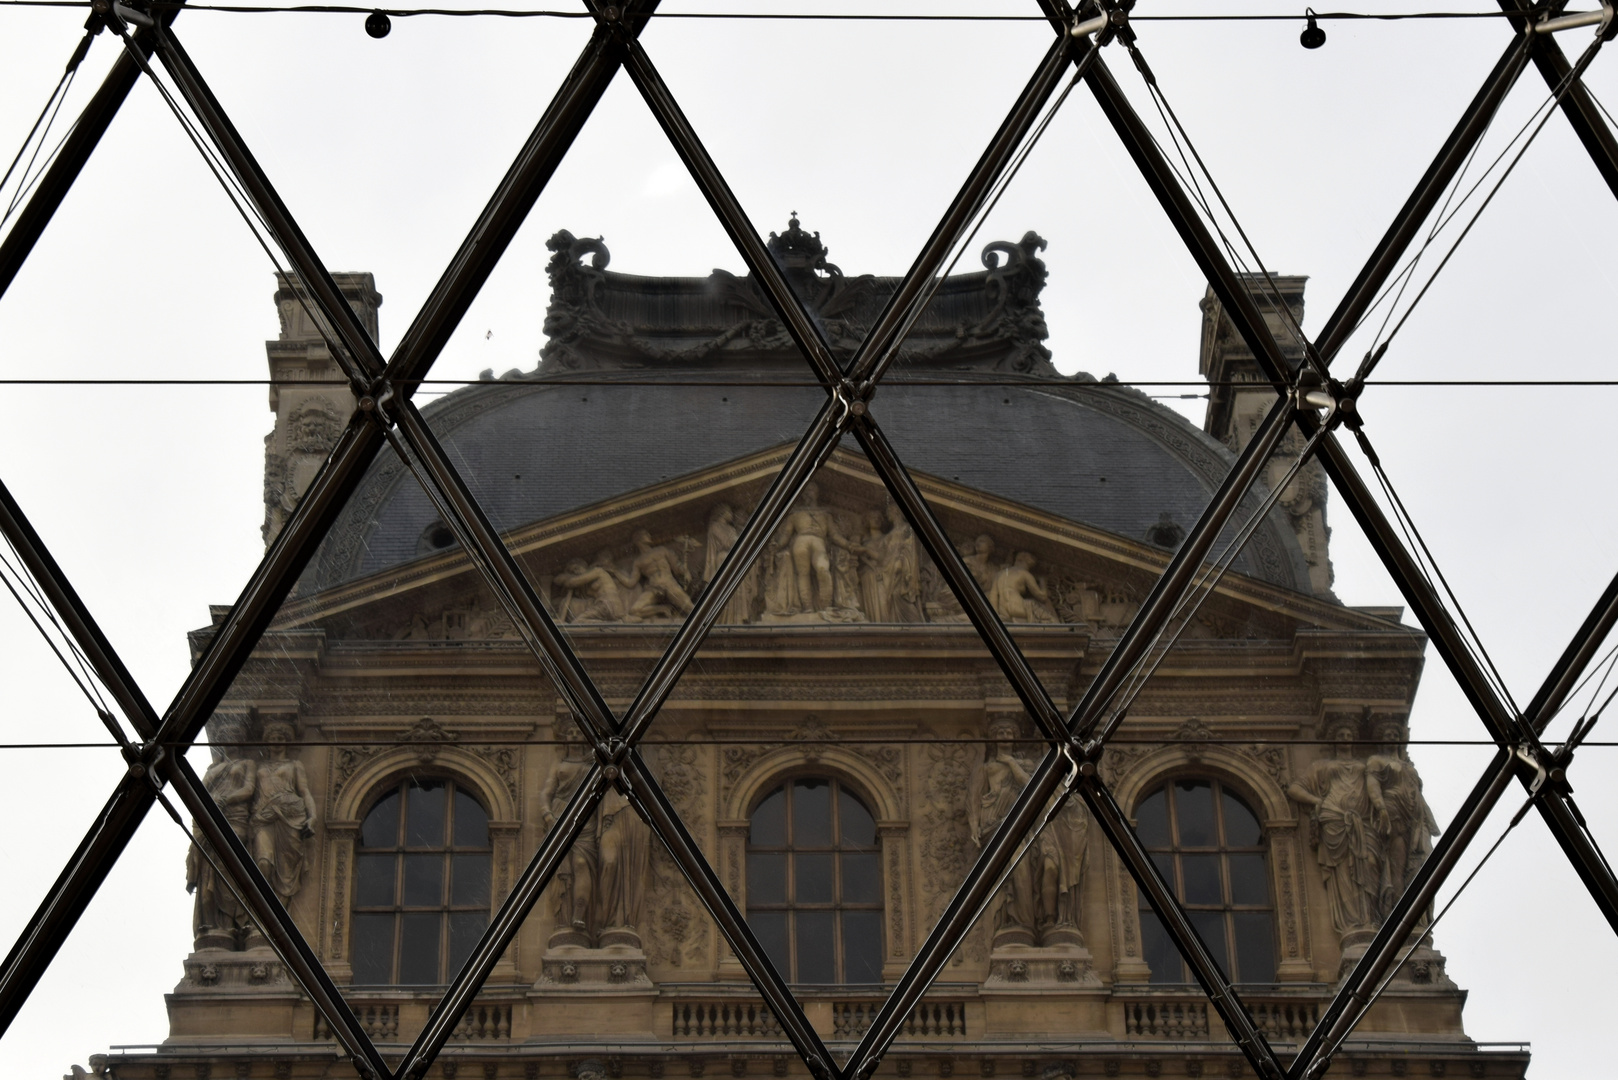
(421, 885)
(1208, 844)
(814, 883)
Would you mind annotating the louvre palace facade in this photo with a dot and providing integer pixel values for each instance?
(843, 743)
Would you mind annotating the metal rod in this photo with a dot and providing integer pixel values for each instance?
(1451, 157)
(1348, 1005)
(650, 801)
(502, 930)
(80, 143)
(1569, 667)
(878, 350)
(272, 917)
(1177, 578)
(1160, 895)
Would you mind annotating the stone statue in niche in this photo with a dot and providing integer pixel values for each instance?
(574, 891)
(659, 573)
(283, 817)
(1410, 823)
(1348, 822)
(890, 569)
(600, 890)
(722, 534)
(219, 921)
(1041, 900)
(1018, 596)
(804, 578)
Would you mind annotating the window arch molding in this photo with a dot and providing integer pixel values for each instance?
(784, 763)
(1250, 779)
(372, 780)
(368, 783)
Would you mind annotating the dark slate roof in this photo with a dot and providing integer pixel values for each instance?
(1008, 424)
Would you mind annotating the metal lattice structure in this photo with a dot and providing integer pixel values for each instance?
(1308, 396)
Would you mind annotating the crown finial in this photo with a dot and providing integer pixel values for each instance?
(797, 249)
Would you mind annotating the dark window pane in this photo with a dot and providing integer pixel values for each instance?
(766, 877)
(1255, 947)
(424, 814)
(423, 880)
(1165, 866)
(471, 823)
(854, 822)
(770, 927)
(469, 880)
(1249, 884)
(1201, 874)
(812, 877)
(418, 948)
(862, 946)
(811, 813)
(381, 828)
(816, 948)
(1158, 951)
(465, 928)
(1194, 813)
(371, 953)
(1241, 827)
(769, 825)
(1210, 926)
(1153, 818)
(373, 880)
(862, 877)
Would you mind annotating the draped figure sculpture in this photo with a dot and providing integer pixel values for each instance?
(1410, 823)
(219, 921)
(1348, 822)
(1040, 902)
(574, 890)
(283, 812)
(722, 534)
(890, 569)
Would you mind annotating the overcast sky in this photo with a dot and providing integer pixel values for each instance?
(151, 497)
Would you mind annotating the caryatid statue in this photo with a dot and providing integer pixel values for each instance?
(1348, 823)
(1040, 902)
(601, 888)
(283, 816)
(1410, 823)
(219, 921)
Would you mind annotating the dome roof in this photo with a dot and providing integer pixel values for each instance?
(645, 380)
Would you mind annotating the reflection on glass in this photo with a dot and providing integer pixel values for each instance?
(815, 902)
(1208, 846)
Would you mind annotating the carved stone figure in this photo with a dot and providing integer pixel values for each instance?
(659, 572)
(283, 812)
(1347, 824)
(890, 569)
(592, 594)
(980, 560)
(995, 784)
(800, 561)
(219, 921)
(312, 429)
(722, 534)
(1018, 596)
(1411, 826)
(574, 892)
(601, 887)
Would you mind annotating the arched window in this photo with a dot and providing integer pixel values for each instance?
(814, 883)
(1210, 848)
(421, 884)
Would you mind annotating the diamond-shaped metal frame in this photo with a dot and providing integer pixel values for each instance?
(384, 386)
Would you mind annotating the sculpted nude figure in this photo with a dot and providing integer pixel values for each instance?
(657, 568)
(593, 593)
(1017, 595)
(805, 535)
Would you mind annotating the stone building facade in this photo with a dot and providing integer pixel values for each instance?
(842, 743)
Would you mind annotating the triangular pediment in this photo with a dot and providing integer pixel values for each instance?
(1035, 567)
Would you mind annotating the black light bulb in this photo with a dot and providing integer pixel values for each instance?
(377, 24)
(1313, 37)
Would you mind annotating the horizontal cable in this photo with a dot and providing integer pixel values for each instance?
(1116, 740)
(1035, 382)
(791, 16)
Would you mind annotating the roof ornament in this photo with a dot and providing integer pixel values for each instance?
(800, 251)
